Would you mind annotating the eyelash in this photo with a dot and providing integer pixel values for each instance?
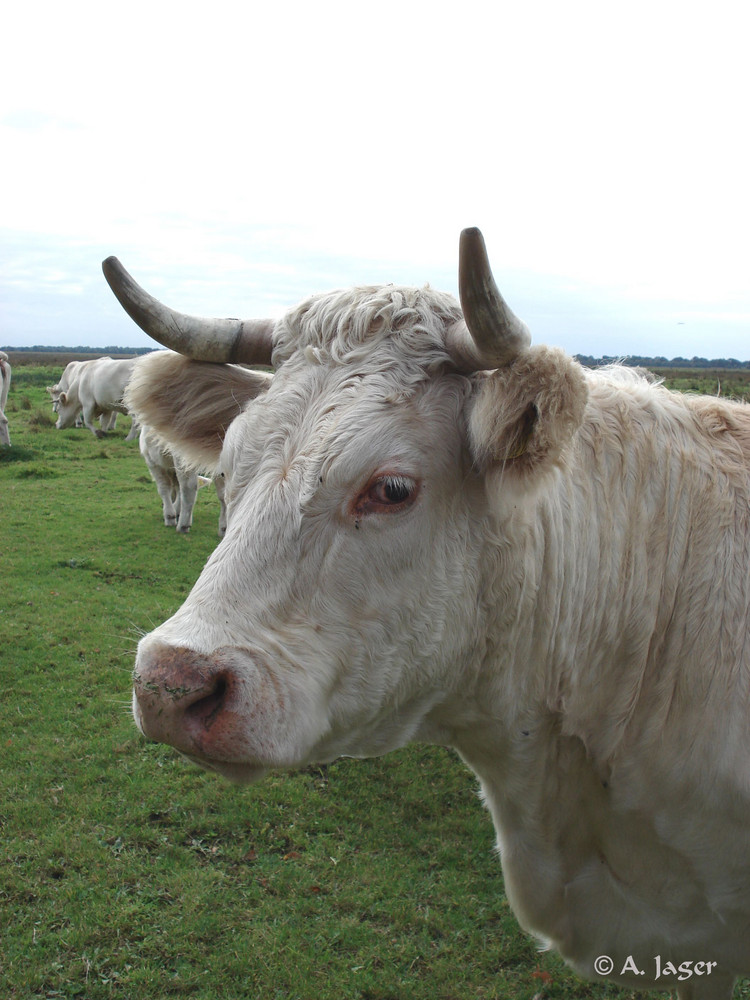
(386, 494)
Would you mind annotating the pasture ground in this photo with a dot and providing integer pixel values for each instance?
(126, 872)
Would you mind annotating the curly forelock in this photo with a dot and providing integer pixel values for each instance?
(344, 326)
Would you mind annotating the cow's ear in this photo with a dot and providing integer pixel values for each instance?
(522, 417)
(191, 403)
(63, 398)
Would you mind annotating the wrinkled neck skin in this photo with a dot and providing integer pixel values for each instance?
(610, 741)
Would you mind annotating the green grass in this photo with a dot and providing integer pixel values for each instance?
(127, 873)
(732, 383)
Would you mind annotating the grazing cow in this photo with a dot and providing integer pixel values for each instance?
(5, 373)
(69, 375)
(439, 533)
(107, 421)
(176, 483)
(94, 388)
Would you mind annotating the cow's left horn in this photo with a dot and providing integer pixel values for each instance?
(498, 335)
(224, 340)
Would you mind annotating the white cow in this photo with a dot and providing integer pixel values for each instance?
(94, 388)
(69, 374)
(107, 421)
(177, 484)
(439, 533)
(5, 373)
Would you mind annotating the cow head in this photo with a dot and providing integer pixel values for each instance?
(64, 396)
(371, 484)
(67, 406)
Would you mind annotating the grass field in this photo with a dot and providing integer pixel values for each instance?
(127, 873)
(733, 383)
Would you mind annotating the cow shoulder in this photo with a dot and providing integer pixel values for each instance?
(522, 417)
(191, 403)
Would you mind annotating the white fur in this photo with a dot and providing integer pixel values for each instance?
(96, 389)
(5, 375)
(176, 484)
(565, 601)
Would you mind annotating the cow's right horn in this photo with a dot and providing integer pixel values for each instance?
(224, 340)
(497, 334)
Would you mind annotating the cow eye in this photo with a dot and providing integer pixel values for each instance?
(386, 494)
(391, 490)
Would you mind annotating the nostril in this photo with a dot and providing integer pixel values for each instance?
(183, 697)
(205, 709)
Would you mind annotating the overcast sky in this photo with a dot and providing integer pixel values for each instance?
(240, 156)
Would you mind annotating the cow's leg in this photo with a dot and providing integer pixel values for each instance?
(134, 431)
(188, 482)
(89, 417)
(4, 435)
(165, 485)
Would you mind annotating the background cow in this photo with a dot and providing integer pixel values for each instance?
(68, 375)
(438, 533)
(176, 483)
(95, 389)
(107, 421)
(5, 373)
